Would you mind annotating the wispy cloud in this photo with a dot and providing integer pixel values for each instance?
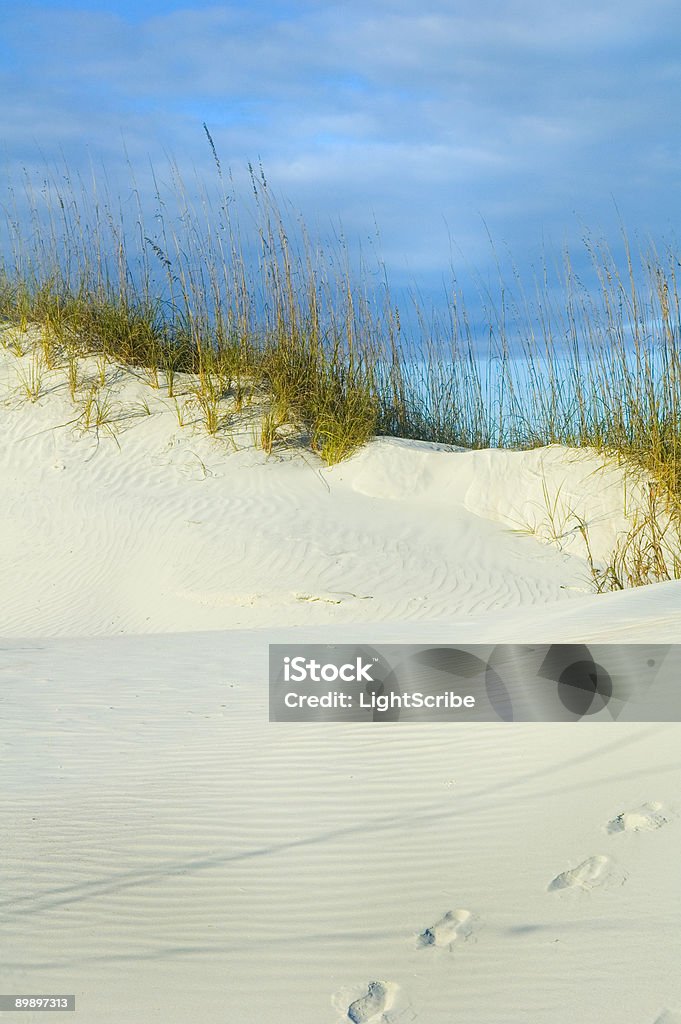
(528, 115)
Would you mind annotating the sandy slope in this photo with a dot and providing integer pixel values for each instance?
(144, 526)
(171, 856)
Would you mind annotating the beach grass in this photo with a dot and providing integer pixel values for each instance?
(263, 316)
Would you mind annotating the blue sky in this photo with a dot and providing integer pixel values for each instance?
(439, 122)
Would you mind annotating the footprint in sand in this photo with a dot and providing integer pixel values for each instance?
(643, 819)
(590, 874)
(452, 926)
(369, 1009)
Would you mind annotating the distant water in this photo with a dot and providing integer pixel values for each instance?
(529, 388)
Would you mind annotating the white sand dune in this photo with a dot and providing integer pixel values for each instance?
(171, 856)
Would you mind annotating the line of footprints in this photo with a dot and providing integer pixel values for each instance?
(456, 925)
